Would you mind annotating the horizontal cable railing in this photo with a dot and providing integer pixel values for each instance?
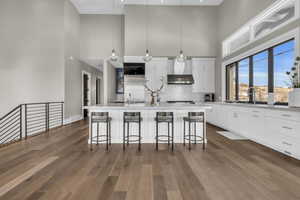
(30, 119)
(11, 126)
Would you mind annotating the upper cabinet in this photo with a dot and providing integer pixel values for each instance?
(155, 70)
(203, 70)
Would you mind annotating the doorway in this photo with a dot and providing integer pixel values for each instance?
(98, 90)
(86, 92)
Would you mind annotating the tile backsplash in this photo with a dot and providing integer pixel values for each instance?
(171, 93)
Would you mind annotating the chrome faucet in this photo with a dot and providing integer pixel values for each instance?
(129, 100)
(252, 93)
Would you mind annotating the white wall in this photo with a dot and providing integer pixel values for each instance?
(99, 34)
(111, 74)
(31, 52)
(199, 30)
(38, 40)
(74, 67)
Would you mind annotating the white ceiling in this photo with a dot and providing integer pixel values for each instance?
(116, 6)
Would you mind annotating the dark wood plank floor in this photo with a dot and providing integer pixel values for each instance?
(58, 165)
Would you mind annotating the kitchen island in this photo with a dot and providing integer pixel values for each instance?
(148, 125)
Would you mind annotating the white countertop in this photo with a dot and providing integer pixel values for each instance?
(162, 106)
(264, 106)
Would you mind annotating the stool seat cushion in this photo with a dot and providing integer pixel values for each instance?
(101, 119)
(164, 119)
(194, 119)
(132, 119)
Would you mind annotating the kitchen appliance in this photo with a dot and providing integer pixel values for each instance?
(134, 69)
(180, 79)
(209, 97)
(180, 73)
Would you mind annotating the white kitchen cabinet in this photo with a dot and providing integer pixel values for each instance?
(203, 70)
(277, 129)
(156, 69)
(233, 120)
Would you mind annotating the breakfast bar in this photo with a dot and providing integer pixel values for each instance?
(148, 123)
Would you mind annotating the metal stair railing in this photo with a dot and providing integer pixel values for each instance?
(11, 126)
(31, 119)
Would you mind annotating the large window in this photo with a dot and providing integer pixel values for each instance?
(262, 73)
(231, 82)
(260, 76)
(243, 80)
(284, 55)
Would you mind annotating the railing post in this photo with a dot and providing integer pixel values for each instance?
(25, 121)
(21, 117)
(47, 116)
(62, 114)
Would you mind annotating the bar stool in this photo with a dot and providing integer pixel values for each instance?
(131, 118)
(101, 118)
(194, 118)
(168, 118)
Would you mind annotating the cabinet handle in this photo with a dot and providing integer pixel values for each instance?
(255, 116)
(286, 115)
(286, 143)
(255, 111)
(288, 128)
(287, 152)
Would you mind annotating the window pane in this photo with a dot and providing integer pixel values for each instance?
(283, 61)
(243, 79)
(260, 76)
(231, 84)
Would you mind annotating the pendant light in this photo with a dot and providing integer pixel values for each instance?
(181, 58)
(113, 57)
(147, 57)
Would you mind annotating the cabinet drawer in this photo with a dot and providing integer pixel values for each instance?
(290, 146)
(294, 116)
(285, 127)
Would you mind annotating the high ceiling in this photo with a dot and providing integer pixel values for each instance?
(116, 6)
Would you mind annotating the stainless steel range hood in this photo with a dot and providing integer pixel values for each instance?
(180, 73)
(180, 79)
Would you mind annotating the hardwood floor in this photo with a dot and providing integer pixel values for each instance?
(58, 165)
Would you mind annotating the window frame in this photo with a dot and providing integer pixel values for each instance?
(238, 80)
(271, 84)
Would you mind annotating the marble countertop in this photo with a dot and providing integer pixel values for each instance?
(142, 106)
(264, 106)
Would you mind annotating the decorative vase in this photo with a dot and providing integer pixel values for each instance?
(294, 98)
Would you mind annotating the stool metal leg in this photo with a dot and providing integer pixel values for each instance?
(195, 136)
(168, 134)
(183, 132)
(156, 135)
(128, 129)
(139, 134)
(189, 135)
(91, 137)
(98, 133)
(107, 135)
(124, 126)
(172, 134)
(204, 134)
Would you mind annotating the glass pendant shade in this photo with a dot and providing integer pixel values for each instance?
(147, 57)
(181, 57)
(113, 57)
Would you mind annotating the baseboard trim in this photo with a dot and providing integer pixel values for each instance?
(73, 119)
